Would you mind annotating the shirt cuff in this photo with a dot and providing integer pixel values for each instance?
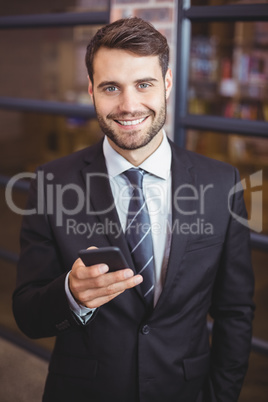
(82, 313)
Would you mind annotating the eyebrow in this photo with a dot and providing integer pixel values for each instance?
(116, 84)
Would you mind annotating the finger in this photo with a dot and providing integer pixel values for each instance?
(93, 271)
(100, 301)
(81, 271)
(82, 278)
(121, 286)
(110, 291)
(98, 279)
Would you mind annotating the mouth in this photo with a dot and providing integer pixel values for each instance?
(131, 122)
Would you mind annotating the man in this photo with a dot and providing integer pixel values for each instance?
(116, 339)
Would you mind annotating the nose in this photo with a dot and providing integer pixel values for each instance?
(129, 101)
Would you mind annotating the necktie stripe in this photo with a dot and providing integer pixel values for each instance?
(148, 291)
(146, 265)
(141, 240)
(135, 216)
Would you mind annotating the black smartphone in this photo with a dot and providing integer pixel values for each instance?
(112, 256)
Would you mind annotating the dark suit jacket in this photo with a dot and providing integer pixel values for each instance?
(124, 353)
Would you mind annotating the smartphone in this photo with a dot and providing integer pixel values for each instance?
(112, 256)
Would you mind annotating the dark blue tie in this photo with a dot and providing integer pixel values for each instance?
(139, 236)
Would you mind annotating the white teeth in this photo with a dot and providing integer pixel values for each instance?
(131, 122)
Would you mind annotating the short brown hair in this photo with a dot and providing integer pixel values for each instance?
(132, 34)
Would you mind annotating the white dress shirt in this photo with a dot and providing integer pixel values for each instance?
(157, 193)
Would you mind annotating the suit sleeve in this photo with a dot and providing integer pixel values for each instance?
(232, 309)
(40, 304)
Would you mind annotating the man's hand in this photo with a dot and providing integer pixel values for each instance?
(94, 286)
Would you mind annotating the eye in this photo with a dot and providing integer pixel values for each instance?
(111, 89)
(144, 85)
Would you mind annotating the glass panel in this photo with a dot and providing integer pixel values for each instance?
(225, 2)
(249, 155)
(30, 139)
(18, 7)
(229, 70)
(46, 64)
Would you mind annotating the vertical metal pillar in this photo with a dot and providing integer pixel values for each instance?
(182, 69)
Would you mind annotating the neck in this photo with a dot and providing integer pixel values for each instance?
(137, 156)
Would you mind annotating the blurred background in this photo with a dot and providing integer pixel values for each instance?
(219, 108)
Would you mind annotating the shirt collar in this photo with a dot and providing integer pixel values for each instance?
(117, 164)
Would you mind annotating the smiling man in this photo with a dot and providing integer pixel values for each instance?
(131, 112)
(137, 334)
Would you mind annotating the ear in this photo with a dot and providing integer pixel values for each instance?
(90, 88)
(168, 82)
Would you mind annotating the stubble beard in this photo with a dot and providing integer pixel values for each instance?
(134, 141)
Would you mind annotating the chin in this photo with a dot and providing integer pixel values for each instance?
(131, 143)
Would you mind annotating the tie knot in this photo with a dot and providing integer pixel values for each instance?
(135, 176)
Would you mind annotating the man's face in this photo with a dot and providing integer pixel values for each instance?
(129, 94)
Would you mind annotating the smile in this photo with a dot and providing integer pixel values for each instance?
(131, 122)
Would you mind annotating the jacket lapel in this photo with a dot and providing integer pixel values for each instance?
(183, 182)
